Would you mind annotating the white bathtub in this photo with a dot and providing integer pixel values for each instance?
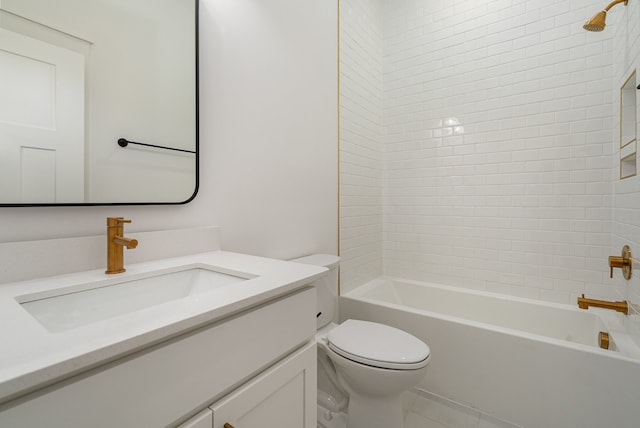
(531, 363)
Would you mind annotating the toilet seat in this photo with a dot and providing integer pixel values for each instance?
(378, 345)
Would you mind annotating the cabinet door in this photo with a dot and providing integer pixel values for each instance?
(203, 419)
(283, 396)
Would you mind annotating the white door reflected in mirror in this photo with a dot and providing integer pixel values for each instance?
(41, 121)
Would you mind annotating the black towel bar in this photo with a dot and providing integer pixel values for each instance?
(123, 142)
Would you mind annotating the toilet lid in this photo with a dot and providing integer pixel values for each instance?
(378, 345)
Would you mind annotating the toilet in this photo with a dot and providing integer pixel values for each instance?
(363, 367)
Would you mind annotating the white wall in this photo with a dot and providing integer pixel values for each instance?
(498, 146)
(268, 138)
(270, 91)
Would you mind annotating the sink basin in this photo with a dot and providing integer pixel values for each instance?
(74, 308)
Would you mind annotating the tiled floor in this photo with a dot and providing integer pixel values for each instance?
(424, 410)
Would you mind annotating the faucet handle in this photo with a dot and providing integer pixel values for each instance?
(623, 261)
(117, 221)
(615, 262)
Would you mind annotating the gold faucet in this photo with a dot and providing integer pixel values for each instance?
(115, 244)
(584, 303)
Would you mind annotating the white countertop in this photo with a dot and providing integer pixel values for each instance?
(32, 357)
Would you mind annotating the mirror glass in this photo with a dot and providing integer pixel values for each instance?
(76, 77)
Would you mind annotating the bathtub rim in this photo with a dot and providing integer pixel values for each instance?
(613, 321)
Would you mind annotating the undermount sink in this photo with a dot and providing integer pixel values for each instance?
(76, 307)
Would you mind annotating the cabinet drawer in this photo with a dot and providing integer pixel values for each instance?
(159, 386)
(203, 419)
(284, 396)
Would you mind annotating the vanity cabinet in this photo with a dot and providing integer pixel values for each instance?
(255, 368)
(283, 396)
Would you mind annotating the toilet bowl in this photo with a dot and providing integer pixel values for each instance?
(375, 364)
(363, 366)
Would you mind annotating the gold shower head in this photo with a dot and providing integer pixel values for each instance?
(597, 22)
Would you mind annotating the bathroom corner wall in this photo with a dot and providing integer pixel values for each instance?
(361, 134)
(626, 192)
(271, 94)
(498, 146)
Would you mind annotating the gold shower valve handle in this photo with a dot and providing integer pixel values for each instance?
(623, 262)
(615, 262)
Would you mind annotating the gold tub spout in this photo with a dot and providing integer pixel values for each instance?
(584, 303)
(116, 243)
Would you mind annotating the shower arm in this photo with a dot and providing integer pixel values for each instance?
(597, 22)
(613, 3)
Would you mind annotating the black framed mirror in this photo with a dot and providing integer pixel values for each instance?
(80, 78)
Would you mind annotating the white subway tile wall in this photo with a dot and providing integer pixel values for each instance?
(487, 154)
(626, 193)
(498, 146)
(361, 135)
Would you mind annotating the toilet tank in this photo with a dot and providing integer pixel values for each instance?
(326, 287)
